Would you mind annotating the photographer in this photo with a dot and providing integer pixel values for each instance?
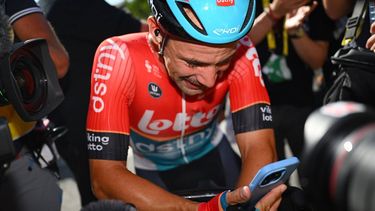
(27, 21)
(25, 185)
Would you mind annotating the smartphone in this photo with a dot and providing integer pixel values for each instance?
(270, 176)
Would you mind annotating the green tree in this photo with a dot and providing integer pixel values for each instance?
(138, 8)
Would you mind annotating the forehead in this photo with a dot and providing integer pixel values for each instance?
(186, 49)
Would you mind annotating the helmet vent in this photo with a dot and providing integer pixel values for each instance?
(191, 16)
(248, 14)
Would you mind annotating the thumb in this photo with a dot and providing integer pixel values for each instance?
(239, 195)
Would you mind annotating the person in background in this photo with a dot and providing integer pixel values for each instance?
(81, 26)
(293, 45)
(25, 186)
(337, 9)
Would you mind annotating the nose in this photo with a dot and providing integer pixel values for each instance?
(207, 76)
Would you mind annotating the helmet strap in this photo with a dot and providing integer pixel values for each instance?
(162, 45)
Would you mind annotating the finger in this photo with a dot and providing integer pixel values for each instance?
(309, 9)
(240, 195)
(271, 198)
(275, 206)
(372, 29)
(370, 42)
(313, 6)
(372, 47)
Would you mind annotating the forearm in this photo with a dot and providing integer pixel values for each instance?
(255, 153)
(42, 29)
(313, 53)
(262, 25)
(116, 182)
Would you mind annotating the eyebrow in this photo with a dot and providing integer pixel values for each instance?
(203, 64)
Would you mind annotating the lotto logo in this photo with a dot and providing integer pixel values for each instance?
(224, 3)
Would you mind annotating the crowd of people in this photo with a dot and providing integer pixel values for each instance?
(161, 87)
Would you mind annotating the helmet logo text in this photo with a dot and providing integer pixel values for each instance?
(226, 31)
(224, 3)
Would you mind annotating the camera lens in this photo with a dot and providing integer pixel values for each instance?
(337, 172)
(25, 81)
(272, 178)
(30, 80)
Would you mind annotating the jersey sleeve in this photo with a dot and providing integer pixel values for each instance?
(249, 100)
(16, 9)
(112, 90)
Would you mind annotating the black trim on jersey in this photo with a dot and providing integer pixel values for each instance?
(255, 117)
(16, 9)
(107, 146)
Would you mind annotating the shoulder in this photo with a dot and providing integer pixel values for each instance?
(246, 56)
(132, 42)
(16, 9)
(121, 54)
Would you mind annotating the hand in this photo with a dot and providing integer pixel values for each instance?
(370, 44)
(295, 18)
(270, 202)
(281, 7)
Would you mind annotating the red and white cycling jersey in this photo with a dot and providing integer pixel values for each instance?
(134, 102)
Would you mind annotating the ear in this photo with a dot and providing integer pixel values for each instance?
(154, 32)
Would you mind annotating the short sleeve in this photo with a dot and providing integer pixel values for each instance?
(16, 9)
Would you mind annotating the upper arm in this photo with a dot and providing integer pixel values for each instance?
(249, 101)
(100, 171)
(259, 140)
(112, 90)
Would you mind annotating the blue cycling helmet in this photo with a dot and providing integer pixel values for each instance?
(221, 21)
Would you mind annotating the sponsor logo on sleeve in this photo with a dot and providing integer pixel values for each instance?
(96, 142)
(266, 113)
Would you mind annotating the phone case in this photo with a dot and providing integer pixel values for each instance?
(270, 176)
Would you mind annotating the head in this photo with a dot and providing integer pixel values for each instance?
(195, 40)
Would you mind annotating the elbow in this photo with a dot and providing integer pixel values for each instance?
(334, 15)
(318, 63)
(97, 189)
(62, 65)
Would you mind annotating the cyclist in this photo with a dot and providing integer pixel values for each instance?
(161, 92)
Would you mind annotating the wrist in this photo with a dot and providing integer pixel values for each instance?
(223, 200)
(272, 15)
(219, 201)
(211, 205)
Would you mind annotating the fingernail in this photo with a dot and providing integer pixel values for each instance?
(243, 191)
(283, 188)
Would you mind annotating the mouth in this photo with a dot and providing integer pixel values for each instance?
(194, 85)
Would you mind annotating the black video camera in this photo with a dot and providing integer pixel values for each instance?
(28, 82)
(337, 167)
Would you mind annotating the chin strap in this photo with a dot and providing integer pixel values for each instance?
(162, 45)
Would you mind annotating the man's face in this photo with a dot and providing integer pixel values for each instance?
(196, 67)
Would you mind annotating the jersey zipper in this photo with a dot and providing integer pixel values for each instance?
(180, 142)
